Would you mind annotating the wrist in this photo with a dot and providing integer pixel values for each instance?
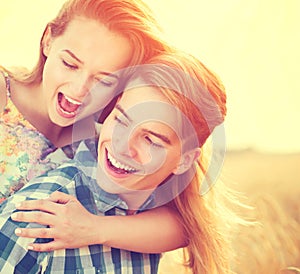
(102, 230)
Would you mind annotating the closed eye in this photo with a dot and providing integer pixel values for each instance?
(120, 121)
(149, 141)
(106, 82)
(69, 66)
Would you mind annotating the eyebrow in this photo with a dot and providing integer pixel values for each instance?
(164, 138)
(81, 62)
(118, 107)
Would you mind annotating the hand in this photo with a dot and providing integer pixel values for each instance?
(70, 224)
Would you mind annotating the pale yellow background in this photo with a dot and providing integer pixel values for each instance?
(252, 45)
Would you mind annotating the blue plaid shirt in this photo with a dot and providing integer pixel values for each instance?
(76, 178)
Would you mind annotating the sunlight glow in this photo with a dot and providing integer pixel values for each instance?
(252, 45)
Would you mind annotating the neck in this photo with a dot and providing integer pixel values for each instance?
(29, 101)
(81, 130)
(135, 199)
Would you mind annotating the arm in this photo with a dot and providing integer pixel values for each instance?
(2, 92)
(155, 231)
(71, 225)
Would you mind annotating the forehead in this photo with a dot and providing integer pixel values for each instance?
(93, 43)
(148, 104)
(142, 94)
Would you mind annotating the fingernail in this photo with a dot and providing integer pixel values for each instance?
(30, 247)
(18, 205)
(14, 216)
(18, 231)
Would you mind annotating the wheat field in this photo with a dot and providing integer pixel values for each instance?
(271, 185)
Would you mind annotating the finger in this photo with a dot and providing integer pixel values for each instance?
(44, 247)
(39, 217)
(41, 204)
(34, 233)
(60, 197)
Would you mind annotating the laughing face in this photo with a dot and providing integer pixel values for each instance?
(139, 145)
(78, 77)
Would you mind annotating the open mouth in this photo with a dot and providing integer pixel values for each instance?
(67, 105)
(117, 166)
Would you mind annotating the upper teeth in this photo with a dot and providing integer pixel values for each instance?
(117, 164)
(72, 101)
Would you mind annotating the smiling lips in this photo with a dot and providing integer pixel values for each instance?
(118, 167)
(67, 105)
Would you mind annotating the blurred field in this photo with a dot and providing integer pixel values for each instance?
(271, 184)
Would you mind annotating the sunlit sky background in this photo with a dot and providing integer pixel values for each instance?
(254, 46)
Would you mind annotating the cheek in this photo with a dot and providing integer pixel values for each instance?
(166, 161)
(100, 96)
(51, 73)
(105, 133)
(153, 159)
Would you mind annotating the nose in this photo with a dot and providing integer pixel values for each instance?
(124, 145)
(81, 86)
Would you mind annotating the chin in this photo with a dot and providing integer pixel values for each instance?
(106, 183)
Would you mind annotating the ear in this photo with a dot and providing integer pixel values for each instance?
(47, 41)
(187, 159)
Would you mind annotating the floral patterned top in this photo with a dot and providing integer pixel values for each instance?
(24, 152)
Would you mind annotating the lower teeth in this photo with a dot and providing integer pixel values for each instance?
(66, 112)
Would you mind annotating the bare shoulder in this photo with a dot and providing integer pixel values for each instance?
(2, 92)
